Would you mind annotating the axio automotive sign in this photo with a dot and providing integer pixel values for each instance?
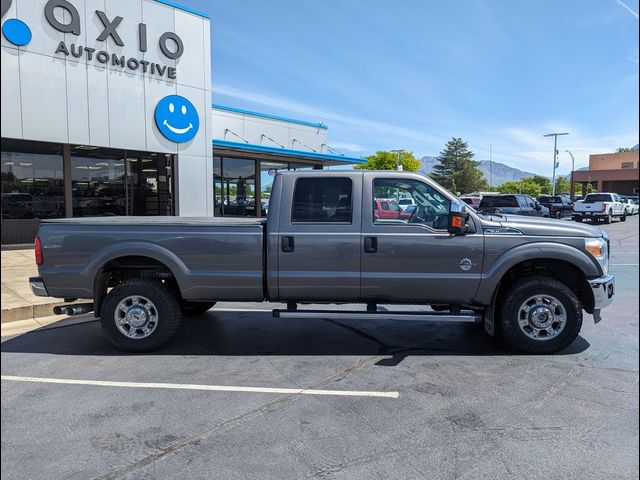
(18, 33)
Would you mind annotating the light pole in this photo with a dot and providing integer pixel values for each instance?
(555, 155)
(398, 164)
(573, 167)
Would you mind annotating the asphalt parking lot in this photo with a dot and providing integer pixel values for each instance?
(411, 399)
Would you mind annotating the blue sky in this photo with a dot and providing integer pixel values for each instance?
(412, 74)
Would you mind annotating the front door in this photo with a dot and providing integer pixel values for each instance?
(413, 259)
(319, 238)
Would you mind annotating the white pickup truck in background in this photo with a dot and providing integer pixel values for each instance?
(600, 206)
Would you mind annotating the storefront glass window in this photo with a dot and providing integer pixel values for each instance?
(268, 171)
(238, 187)
(32, 188)
(217, 186)
(98, 186)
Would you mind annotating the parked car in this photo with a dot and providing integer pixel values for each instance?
(513, 204)
(630, 205)
(559, 205)
(405, 203)
(387, 209)
(528, 279)
(473, 201)
(599, 206)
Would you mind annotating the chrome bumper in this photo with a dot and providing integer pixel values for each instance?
(603, 289)
(37, 287)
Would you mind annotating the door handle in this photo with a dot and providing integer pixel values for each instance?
(370, 244)
(287, 244)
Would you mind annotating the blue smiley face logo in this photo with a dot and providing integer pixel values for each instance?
(177, 118)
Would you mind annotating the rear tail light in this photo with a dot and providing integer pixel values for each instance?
(604, 206)
(37, 248)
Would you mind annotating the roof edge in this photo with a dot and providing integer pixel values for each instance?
(266, 115)
(286, 151)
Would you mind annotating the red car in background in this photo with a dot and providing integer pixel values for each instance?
(387, 209)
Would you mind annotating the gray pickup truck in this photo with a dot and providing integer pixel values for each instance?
(328, 238)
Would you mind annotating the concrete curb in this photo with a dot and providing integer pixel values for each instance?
(29, 312)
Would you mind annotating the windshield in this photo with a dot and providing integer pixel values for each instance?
(597, 197)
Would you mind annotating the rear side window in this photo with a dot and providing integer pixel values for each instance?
(503, 201)
(322, 200)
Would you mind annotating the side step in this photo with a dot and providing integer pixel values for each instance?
(463, 316)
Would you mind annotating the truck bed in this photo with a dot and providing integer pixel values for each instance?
(220, 258)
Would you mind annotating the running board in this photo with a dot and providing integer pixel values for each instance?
(463, 316)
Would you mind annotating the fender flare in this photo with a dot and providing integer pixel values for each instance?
(138, 249)
(533, 251)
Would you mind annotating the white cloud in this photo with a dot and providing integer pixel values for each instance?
(317, 114)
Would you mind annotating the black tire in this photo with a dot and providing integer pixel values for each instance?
(166, 305)
(524, 289)
(623, 218)
(191, 309)
(578, 219)
(609, 218)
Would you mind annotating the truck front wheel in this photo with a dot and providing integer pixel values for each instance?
(140, 315)
(540, 315)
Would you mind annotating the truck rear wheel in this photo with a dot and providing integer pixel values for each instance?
(192, 309)
(540, 315)
(140, 315)
(609, 218)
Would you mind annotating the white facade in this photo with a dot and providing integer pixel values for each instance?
(50, 94)
(236, 125)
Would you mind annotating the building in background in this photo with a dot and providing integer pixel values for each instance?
(609, 172)
(107, 111)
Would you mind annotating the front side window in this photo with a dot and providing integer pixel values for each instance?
(426, 207)
(322, 200)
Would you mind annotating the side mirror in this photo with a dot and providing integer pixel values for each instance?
(457, 218)
(538, 207)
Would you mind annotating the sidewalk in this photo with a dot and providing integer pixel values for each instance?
(18, 303)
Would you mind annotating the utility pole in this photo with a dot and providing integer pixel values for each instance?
(398, 164)
(490, 168)
(555, 156)
(572, 190)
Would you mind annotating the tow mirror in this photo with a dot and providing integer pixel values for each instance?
(457, 218)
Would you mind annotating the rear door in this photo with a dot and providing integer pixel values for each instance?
(319, 237)
(414, 259)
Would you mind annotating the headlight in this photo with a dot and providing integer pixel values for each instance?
(597, 247)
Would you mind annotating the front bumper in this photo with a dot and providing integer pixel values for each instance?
(603, 289)
(37, 287)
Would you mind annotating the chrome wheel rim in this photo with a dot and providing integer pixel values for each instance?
(136, 317)
(542, 317)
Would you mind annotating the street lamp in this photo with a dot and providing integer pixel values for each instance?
(555, 154)
(398, 164)
(573, 167)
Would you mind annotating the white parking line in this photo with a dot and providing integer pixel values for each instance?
(623, 264)
(213, 388)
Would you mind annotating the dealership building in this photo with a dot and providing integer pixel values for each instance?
(106, 109)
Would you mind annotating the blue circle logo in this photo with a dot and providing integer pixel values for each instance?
(177, 118)
(16, 31)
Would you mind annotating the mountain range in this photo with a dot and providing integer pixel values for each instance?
(496, 172)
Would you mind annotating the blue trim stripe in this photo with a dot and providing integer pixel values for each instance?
(266, 115)
(286, 151)
(185, 9)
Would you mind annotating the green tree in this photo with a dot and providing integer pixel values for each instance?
(529, 186)
(384, 160)
(544, 182)
(510, 187)
(624, 149)
(456, 170)
(562, 185)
